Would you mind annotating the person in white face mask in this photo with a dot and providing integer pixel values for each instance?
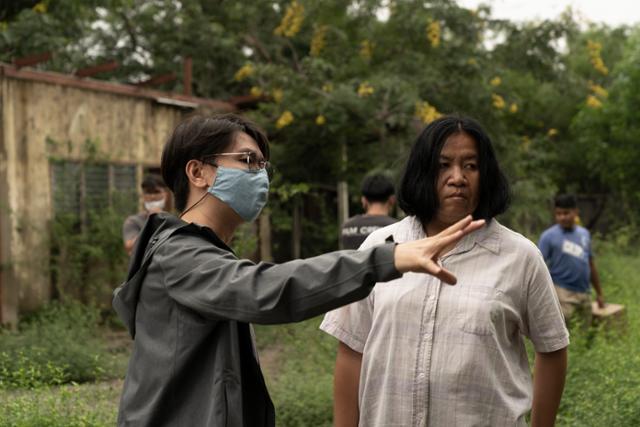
(154, 199)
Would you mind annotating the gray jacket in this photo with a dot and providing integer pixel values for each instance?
(188, 302)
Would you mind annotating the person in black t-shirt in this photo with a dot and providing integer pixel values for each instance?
(378, 198)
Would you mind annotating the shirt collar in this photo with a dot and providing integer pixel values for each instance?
(487, 237)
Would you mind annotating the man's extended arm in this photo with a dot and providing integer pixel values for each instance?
(129, 244)
(548, 384)
(346, 380)
(595, 280)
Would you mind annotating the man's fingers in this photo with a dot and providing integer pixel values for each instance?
(457, 226)
(439, 272)
(447, 277)
(444, 241)
(473, 226)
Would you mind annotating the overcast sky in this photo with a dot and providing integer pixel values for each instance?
(612, 12)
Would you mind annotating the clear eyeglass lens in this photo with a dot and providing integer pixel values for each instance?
(253, 163)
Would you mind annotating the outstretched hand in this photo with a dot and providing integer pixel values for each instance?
(422, 255)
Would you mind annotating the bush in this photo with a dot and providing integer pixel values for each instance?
(88, 257)
(59, 344)
(301, 383)
(603, 380)
(69, 405)
(304, 397)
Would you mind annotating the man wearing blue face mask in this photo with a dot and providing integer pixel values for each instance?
(154, 199)
(188, 300)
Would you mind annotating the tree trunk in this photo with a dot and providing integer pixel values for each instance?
(343, 206)
(296, 233)
(265, 236)
(343, 193)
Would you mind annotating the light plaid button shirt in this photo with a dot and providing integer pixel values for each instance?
(441, 355)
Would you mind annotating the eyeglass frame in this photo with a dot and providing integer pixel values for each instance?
(262, 164)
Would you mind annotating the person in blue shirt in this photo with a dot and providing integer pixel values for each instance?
(566, 248)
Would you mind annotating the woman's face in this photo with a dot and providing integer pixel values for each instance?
(458, 182)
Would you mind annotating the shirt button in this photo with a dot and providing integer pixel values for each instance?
(421, 376)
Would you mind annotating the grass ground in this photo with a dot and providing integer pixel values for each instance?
(603, 383)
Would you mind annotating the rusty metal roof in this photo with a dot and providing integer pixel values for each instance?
(162, 97)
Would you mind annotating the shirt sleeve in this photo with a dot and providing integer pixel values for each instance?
(589, 247)
(351, 324)
(545, 247)
(544, 322)
(216, 284)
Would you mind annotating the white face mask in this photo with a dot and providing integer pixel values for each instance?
(156, 205)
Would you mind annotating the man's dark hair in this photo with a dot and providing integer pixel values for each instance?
(199, 137)
(565, 201)
(377, 188)
(152, 183)
(418, 193)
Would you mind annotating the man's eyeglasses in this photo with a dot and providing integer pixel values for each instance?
(251, 159)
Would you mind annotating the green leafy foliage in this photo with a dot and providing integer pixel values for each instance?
(57, 345)
(603, 382)
(88, 259)
(75, 405)
(343, 92)
(301, 381)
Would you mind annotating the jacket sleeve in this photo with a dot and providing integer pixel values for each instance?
(217, 285)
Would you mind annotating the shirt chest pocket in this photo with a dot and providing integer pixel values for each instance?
(479, 309)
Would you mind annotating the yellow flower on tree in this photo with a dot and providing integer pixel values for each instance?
(496, 81)
(277, 95)
(426, 112)
(513, 108)
(327, 87)
(318, 41)
(365, 89)
(40, 7)
(472, 61)
(526, 141)
(593, 102)
(433, 32)
(598, 90)
(366, 50)
(256, 91)
(321, 120)
(244, 72)
(284, 120)
(292, 20)
(552, 132)
(498, 101)
(594, 49)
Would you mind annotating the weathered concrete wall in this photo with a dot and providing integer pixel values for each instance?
(121, 129)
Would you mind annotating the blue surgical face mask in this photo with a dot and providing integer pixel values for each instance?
(243, 190)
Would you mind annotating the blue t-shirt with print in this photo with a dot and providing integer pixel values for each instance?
(567, 254)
